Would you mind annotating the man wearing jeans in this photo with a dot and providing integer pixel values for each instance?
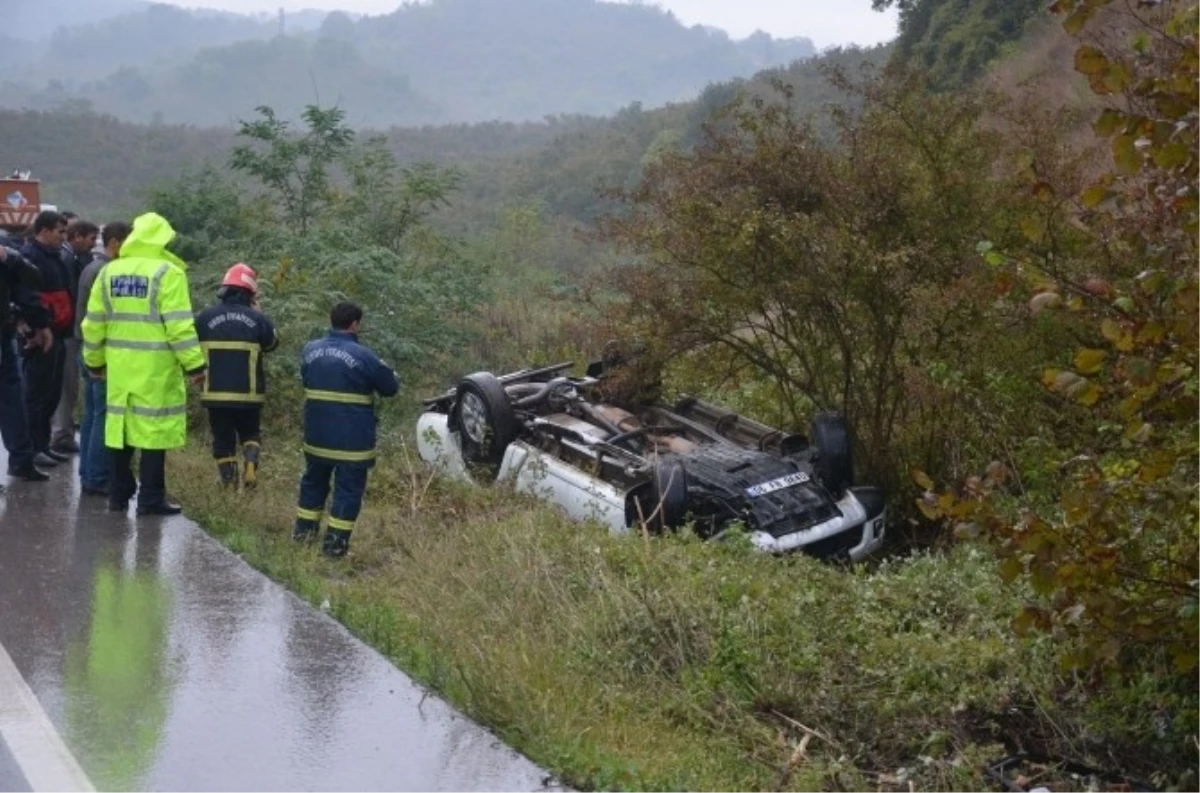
(93, 456)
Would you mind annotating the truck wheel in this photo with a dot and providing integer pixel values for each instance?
(485, 420)
(662, 502)
(835, 463)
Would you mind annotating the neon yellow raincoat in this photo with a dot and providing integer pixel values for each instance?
(139, 328)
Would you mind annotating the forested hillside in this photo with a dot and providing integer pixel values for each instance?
(954, 41)
(439, 62)
(99, 165)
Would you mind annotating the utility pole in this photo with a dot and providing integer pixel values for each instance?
(281, 25)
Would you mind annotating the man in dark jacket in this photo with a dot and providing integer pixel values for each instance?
(341, 378)
(19, 281)
(43, 369)
(234, 335)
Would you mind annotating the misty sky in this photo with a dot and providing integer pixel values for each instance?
(826, 22)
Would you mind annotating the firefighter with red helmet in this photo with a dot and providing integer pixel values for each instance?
(234, 335)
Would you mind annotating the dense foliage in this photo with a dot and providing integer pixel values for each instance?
(814, 265)
(954, 41)
(1111, 542)
(315, 241)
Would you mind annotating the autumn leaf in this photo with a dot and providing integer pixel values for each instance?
(1090, 61)
(1089, 361)
(1108, 123)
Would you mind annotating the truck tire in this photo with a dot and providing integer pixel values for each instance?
(485, 420)
(835, 461)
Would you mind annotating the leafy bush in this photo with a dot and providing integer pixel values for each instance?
(1111, 545)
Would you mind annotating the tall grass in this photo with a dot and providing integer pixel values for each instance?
(640, 663)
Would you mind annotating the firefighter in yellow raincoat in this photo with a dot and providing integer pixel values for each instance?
(140, 334)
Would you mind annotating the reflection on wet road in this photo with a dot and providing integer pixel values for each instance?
(165, 662)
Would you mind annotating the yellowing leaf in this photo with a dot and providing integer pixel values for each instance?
(1087, 395)
(1172, 155)
(1116, 79)
(922, 479)
(1108, 123)
(1126, 155)
(1032, 228)
(1094, 196)
(1150, 281)
(1111, 330)
(1151, 333)
(1089, 361)
(1089, 60)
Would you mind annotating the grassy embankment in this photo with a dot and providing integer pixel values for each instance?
(635, 663)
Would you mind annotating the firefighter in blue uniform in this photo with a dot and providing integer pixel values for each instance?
(341, 378)
(234, 335)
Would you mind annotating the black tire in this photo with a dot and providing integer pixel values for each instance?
(663, 501)
(485, 420)
(835, 461)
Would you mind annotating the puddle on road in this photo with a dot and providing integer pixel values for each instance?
(167, 663)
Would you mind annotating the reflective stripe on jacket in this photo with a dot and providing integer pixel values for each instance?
(341, 378)
(139, 328)
(234, 337)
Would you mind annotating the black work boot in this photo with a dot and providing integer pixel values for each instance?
(336, 543)
(250, 470)
(306, 530)
(228, 468)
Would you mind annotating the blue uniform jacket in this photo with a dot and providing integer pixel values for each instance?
(341, 378)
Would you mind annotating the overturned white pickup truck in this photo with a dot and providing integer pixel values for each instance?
(629, 466)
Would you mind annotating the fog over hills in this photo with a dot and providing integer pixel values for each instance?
(445, 61)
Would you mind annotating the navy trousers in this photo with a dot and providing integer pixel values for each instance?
(349, 484)
(43, 380)
(14, 420)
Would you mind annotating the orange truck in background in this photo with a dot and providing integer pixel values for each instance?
(20, 201)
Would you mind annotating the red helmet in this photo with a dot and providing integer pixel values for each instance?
(241, 275)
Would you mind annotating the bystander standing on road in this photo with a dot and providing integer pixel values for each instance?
(140, 335)
(234, 335)
(76, 255)
(43, 368)
(93, 456)
(19, 306)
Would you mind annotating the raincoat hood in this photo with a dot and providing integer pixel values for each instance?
(150, 237)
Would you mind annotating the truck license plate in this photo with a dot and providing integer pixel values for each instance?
(777, 484)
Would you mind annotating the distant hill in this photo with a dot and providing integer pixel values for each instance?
(443, 61)
(36, 20)
(102, 167)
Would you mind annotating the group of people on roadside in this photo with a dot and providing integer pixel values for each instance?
(118, 320)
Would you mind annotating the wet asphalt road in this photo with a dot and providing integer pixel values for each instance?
(163, 662)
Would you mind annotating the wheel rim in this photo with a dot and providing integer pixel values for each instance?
(473, 415)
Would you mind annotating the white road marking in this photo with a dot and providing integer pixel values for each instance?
(44, 760)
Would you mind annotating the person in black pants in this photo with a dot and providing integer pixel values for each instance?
(18, 281)
(44, 367)
(234, 335)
